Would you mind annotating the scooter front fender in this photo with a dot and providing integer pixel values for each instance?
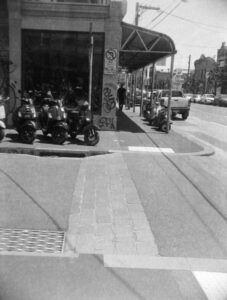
(29, 123)
(61, 124)
(90, 126)
(2, 125)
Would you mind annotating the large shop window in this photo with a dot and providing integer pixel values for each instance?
(61, 60)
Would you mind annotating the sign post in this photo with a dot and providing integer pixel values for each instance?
(90, 65)
(170, 92)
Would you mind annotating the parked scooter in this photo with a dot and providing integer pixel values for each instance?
(24, 119)
(80, 122)
(52, 119)
(147, 111)
(159, 117)
(2, 117)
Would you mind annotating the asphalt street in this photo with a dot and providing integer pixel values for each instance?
(139, 223)
(36, 193)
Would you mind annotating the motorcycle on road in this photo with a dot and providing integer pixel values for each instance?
(159, 117)
(80, 122)
(52, 119)
(24, 120)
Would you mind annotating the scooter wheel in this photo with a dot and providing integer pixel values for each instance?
(45, 132)
(27, 135)
(91, 137)
(73, 135)
(2, 134)
(59, 135)
(164, 127)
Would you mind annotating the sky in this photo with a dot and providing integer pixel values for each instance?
(196, 26)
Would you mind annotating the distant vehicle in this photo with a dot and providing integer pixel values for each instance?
(207, 99)
(138, 97)
(188, 96)
(221, 100)
(196, 98)
(179, 104)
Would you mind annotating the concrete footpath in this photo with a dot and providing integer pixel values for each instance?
(133, 134)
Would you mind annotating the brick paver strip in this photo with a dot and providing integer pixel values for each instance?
(106, 214)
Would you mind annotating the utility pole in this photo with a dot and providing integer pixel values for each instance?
(140, 9)
(189, 64)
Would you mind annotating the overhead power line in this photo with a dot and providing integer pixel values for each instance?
(197, 46)
(161, 13)
(210, 27)
(167, 14)
(196, 22)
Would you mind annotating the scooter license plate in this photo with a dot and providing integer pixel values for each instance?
(27, 116)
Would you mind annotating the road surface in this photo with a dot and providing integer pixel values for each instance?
(173, 247)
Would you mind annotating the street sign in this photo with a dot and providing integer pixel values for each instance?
(110, 61)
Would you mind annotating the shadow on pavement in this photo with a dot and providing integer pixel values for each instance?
(124, 123)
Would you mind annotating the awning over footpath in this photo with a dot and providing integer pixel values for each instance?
(141, 47)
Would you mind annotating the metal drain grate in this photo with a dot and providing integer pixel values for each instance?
(21, 240)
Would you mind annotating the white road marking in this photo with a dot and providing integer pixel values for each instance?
(214, 285)
(150, 149)
(165, 263)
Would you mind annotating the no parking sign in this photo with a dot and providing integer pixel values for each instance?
(110, 63)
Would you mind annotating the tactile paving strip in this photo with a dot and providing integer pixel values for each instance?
(22, 240)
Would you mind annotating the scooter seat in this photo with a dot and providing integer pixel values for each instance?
(74, 112)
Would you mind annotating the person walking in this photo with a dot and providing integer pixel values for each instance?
(121, 95)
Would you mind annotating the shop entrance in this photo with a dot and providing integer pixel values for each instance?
(60, 60)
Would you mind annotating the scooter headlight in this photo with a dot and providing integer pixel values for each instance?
(50, 116)
(19, 114)
(88, 119)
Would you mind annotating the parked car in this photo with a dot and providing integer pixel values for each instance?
(221, 100)
(188, 96)
(179, 104)
(207, 99)
(196, 98)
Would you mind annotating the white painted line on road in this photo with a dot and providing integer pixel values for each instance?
(214, 285)
(150, 149)
(165, 263)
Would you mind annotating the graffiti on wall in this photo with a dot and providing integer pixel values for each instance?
(109, 102)
(109, 98)
(105, 123)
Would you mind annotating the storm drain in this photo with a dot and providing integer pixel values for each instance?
(21, 240)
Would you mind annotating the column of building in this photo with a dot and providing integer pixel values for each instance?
(108, 120)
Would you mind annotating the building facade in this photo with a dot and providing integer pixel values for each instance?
(203, 67)
(49, 43)
(222, 69)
